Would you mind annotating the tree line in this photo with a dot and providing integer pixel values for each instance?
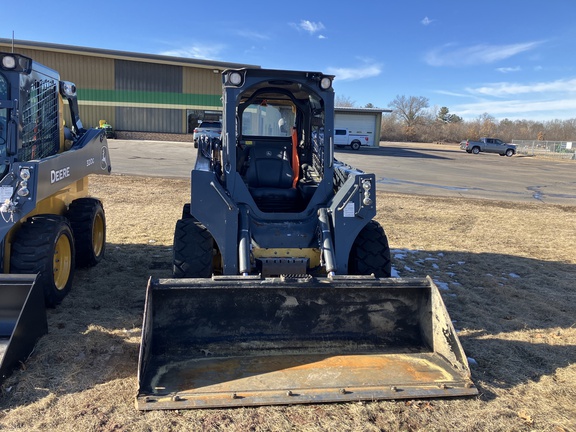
(412, 119)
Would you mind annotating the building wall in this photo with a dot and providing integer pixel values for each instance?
(142, 94)
(84, 71)
(139, 96)
(204, 83)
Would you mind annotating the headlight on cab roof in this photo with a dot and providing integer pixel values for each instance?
(16, 62)
(325, 83)
(8, 62)
(234, 78)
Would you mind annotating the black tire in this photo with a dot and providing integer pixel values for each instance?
(44, 245)
(186, 211)
(193, 250)
(476, 150)
(355, 145)
(88, 222)
(370, 253)
(509, 152)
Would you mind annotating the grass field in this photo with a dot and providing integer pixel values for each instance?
(506, 270)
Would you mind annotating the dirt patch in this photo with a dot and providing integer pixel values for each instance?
(506, 272)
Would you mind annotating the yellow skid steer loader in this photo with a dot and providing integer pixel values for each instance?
(48, 224)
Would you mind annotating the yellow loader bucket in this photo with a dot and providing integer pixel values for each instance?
(22, 319)
(244, 341)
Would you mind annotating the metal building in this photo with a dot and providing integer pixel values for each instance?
(148, 95)
(134, 91)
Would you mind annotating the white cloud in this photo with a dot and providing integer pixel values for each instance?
(426, 21)
(204, 52)
(310, 26)
(351, 74)
(504, 89)
(451, 93)
(546, 100)
(509, 69)
(557, 108)
(452, 55)
(253, 35)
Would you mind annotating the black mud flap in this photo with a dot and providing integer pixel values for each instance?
(22, 319)
(247, 341)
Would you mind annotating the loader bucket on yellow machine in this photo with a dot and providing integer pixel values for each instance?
(22, 319)
(243, 341)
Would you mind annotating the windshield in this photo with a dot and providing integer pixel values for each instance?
(3, 115)
(268, 118)
(209, 124)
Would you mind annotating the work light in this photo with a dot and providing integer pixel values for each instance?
(8, 62)
(325, 83)
(235, 78)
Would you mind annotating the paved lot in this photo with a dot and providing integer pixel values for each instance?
(426, 169)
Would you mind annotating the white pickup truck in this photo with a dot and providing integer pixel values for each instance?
(343, 137)
(211, 129)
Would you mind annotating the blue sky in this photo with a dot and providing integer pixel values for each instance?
(508, 58)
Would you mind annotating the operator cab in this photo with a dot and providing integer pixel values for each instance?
(29, 110)
(278, 147)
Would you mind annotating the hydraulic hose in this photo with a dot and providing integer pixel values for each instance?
(327, 246)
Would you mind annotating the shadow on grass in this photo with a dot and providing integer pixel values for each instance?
(514, 316)
(93, 336)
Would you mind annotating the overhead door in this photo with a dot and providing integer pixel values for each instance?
(357, 124)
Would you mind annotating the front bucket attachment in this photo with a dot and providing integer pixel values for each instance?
(22, 319)
(242, 341)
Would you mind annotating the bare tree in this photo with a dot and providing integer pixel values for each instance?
(488, 125)
(410, 108)
(413, 120)
(344, 102)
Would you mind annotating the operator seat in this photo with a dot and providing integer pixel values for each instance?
(270, 178)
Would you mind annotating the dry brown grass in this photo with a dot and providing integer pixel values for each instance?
(507, 271)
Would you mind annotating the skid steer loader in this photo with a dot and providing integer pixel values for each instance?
(281, 289)
(48, 224)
